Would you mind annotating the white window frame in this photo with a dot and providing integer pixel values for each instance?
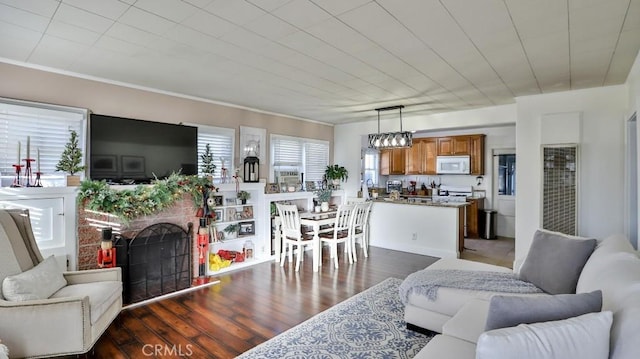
(222, 131)
(374, 170)
(302, 166)
(14, 111)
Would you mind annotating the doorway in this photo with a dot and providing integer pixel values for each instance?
(504, 191)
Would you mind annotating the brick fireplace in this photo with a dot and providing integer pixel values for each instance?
(90, 224)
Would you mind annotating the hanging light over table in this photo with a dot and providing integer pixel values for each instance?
(400, 139)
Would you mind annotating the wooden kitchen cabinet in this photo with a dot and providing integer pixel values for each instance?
(430, 153)
(473, 216)
(454, 146)
(392, 161)
(477, 154)
(421, 157)
(415, 158)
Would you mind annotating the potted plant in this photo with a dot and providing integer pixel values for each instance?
(243, 196)
(323, 195)
(70, 160)
(232, 230)
(335, 174)
(208, 167)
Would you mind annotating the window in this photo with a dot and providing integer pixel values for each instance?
(221, 143)
(302, 155)
(507, 174)
(370, 167)
(47, 127)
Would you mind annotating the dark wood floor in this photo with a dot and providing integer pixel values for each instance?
(247, 308)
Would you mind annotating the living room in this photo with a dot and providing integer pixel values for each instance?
(597, 118)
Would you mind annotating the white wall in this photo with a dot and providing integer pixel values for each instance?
(601, 159)
(633, 83)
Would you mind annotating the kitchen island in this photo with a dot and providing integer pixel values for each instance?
(428, 228)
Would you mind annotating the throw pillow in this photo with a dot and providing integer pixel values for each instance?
(584, 337)
(554, 261)
(39, 282)
(509, 311)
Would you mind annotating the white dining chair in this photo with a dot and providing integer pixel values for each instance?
(292, 235)
(360, 229)
(341, 233)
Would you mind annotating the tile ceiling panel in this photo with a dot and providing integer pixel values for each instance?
(209, 24)
(16, 42)
(72, 33)
(57, 51)
(111, 9)
(22, 18)
(238, 12)
(40, 7)
(172, 10)
(332, 60)
(82, 18)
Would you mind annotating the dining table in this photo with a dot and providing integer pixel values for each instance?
(317, 221)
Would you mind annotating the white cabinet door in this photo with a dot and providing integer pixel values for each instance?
(47, 219)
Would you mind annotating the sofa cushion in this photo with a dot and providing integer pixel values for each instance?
(450, 300)
(584, 337)
(509, 311)
(554, 261)
(468, 323)
(101, 295)
(39, 282)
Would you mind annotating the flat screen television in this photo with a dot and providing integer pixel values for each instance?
(128, 151)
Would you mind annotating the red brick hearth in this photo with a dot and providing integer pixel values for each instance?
(90, 224)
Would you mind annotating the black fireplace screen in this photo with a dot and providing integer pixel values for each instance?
(159, 262)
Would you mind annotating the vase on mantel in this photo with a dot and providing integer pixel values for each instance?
(324, 206)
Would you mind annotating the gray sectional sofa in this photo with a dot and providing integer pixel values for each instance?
(460, 315)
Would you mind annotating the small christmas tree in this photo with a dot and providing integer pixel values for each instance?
(71, 156)
(207, 161)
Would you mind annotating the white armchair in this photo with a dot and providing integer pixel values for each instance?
(71, 319)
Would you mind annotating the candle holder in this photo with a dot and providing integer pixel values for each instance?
(38, 181)
(16, 180)
(28, 177)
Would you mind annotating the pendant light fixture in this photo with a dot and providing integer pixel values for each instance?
(400, 139)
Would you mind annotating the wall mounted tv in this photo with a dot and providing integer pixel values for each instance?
(128, 151)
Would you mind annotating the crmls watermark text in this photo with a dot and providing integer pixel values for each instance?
(160, 350)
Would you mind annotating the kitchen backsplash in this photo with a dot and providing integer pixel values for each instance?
(449, 180)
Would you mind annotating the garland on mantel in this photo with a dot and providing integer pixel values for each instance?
(128, 204)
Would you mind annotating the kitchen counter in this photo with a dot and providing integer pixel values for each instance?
(429, 228)
(422, 201)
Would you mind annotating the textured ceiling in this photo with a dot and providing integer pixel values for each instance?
(332, 60)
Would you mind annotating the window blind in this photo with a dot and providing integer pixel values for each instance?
(307, 156)
(316, 160)
(287, 152)
(47, 127)
(221, 143)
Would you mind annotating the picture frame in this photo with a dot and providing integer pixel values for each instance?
(230, 214)
(247, 228)
(219, 215)
(253, 135)
(247, 212)
(104, 163)
(231, 201)
(272, 188)
(132, 164)
(310, 186)
(218, 200)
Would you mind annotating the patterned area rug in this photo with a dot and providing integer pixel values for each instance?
(368, 325)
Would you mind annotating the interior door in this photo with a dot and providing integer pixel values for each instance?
(504, 195)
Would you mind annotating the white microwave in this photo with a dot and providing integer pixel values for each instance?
(453, 165)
